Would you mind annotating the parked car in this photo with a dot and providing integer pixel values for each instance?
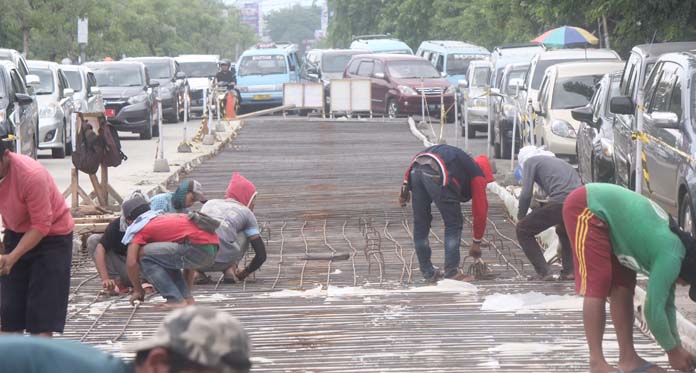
(56, 105)
(595, 142)
(324, 65)
(88, 96)
(506, 109)
(565, 87)
(400, 82)
(380, 44)
(451, 57)
(173, 85)
(668, 123)
(544, 59)
(15, 117)
(262, 71)
(637, 68)
(474, 91)
(129, 96)
(200, 69)
(504, 55)
(30, 81)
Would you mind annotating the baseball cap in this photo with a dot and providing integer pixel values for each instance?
(212, 338)
(135, 206)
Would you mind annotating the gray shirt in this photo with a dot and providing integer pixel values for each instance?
(236, 218)
(556, 177)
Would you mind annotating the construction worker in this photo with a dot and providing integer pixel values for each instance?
(193, 339)
(446, 175)
(615, 233)
(36, 249)
(557, 178)
(239, 229)
(180, 200)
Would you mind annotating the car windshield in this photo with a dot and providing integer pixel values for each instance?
(118, 76)
(46, 81)
(396, 51)
(481, 77)
(540, 69)
(158, 70)
(572, 92)
(262, 65)
(458, 64)
(74, 80)
(2, 86)
(613, 92)
(199, 69)
(514, 74)
(412, 69)
(335, 63)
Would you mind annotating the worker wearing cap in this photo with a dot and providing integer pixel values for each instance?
(180, 200)
(35, 267)
(225, 75)
(446, 175)
(614, 234)
(192, 339)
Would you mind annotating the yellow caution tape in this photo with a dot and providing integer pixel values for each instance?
(647, 139)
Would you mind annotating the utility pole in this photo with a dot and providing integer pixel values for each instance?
(606, 32)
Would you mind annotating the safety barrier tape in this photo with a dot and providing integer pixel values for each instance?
(647, 138)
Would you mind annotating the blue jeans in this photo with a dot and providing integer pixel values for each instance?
(162, 263)
(424, 192)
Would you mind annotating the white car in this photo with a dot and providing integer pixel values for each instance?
(199, 70)
(478, 77)
(55, 100)
(564, 87)
(88, 97)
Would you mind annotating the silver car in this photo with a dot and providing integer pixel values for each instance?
(88, 96)
(55, 100)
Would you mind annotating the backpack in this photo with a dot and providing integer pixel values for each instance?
(113, 155)
(89, 148)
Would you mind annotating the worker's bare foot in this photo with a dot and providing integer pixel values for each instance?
(173, 305)
(190, 301)
(603, 368)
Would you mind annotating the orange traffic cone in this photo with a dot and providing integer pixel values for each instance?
(229, 107)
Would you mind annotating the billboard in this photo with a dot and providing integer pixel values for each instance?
(251, 15)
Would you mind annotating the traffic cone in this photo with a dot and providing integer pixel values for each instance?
(229, 107)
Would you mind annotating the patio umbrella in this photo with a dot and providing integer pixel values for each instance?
(566, 37)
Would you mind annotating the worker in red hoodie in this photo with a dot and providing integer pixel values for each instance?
(238, 230)
(446, 175)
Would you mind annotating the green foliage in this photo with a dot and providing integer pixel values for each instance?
(294, 24)
(48, 29)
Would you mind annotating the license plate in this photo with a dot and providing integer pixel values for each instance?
(110, 112)
(261, 97)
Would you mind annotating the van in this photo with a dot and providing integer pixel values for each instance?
(380, 44)
(504, 55)
(451, 57)
(262, 71)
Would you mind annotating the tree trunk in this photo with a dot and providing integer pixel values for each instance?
(25, 39)
(606, 32)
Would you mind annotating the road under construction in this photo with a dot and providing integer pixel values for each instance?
(341, 290)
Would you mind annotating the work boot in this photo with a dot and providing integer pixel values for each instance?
(435, 277)
(539, 277)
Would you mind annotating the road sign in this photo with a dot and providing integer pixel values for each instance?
(82, 30)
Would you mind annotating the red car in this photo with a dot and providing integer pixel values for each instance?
(399, 83)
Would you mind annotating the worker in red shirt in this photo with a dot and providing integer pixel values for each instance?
(35, 265)
(446, 175)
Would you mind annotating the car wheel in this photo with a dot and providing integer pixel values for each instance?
(506, 151)
(59, 153)
(392, 109)
(146, 134)
(686, 218)
(175, 117)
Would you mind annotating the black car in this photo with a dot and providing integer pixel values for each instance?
(173, 85)
(505, 110)
(21, 124)
(129, 96)
(595, 141)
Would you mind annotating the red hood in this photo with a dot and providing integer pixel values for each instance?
(241, 189)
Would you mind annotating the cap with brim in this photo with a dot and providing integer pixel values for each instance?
(131, 205)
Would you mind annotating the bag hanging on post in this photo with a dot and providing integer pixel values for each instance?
(89, 148)
(113, 155)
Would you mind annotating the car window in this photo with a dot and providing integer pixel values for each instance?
(513, 74)
(595, 102)
(202, 69)
(573, 92)
(159, 70)
(365, 68)
(481, 77)
(2, 85)
(628, 77)
(353, 68)
(379, 68)
(74, 80)
(651, 84)
(17, 82)
(62, 84)
(335, 63)
(262, 65)
(675, 101)
(663, 90)
(119, 76)
(46, 86)
(412, 69)
(458, 64)
(291, 63)
(613, 91)
(91, 82)
(440, 64)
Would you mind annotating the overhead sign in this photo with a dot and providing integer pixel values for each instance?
(82, 30)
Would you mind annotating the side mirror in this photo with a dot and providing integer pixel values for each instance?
(583, 114)
(154, 84)
(180, 75)
(23, 99)
(68, 92)
(663, 119)
(378, 75)
(622, 105)
(443, 74)
(95, 90)
(463, 83)
(33, 80)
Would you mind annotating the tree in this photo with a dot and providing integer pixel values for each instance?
(295, 24)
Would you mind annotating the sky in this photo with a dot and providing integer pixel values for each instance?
(271, 5)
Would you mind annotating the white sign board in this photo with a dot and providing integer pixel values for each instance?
(293, 94)
(82, 30)
(361, 95)
(340, 95)
(314, 95)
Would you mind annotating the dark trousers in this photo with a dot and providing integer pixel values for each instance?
(426, 189)
(35, 293)
(539, 220)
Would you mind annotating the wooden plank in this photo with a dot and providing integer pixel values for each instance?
(264, 112)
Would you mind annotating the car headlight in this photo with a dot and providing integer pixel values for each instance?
(138, 99)
(243, 89)
(48, 111)
(450, 90)
(509, 110)
(405, 90)
(562, 128)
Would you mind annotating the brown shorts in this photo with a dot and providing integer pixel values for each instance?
(597, 269)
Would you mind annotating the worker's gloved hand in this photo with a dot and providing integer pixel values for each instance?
(241, 275)
(680, 360)
(475, 250)
(405, 195)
